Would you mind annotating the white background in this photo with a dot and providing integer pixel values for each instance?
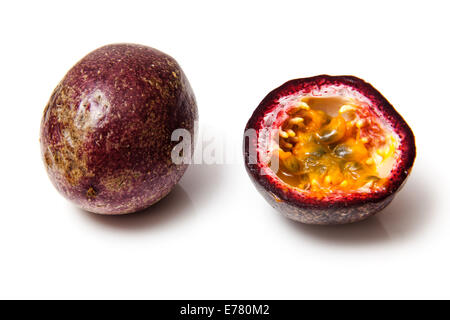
(214, 236)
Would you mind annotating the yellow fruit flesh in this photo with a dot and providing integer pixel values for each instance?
(322, 153)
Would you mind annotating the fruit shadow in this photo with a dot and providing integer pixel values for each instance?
(203, 182)
(174, 206)
(407, 215)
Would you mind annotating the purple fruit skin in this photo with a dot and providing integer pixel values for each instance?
(106, 131)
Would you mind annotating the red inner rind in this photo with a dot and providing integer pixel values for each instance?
(404, 161)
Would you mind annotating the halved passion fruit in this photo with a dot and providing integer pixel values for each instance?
(328, 149)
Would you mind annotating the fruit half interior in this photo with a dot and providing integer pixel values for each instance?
(328, 149)
(334, 144)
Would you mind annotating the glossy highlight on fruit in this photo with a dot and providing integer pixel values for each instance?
(328, 149)
(106, 130)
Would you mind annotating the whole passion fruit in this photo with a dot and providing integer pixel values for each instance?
(328, 150)
(106, 131)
